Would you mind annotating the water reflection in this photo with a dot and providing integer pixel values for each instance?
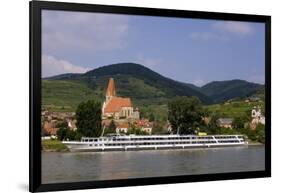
(72, 167)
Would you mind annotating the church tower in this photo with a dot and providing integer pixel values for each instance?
(110, 92)
(115, 107)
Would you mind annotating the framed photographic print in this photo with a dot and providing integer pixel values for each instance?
(125, 96)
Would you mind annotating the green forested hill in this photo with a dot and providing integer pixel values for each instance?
(167, 87)
(145, 87)
(221, 91)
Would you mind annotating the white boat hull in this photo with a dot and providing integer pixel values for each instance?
(107, 144)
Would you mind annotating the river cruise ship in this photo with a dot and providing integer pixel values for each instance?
(146, 142)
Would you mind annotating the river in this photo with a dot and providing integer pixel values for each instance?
(78, 166)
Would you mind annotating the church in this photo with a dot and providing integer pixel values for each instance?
(115, 107)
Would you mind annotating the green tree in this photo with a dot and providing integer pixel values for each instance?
(159, 127)
(185, 114)
(62, 124)
(212, 127)
(78, 136)
(260, 133)
(88, 116)
(151, 117)
(70, 134)
(62, 131)
(136, 131)
(240, 122)
(112, 126)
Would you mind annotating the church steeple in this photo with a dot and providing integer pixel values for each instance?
(110, 92)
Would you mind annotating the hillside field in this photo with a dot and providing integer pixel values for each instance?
(65, 95)
(234, 109)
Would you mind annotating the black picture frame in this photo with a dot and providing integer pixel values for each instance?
(36, 7)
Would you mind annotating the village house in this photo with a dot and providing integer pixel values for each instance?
(169, 127)
(122, 127)
(225, 122)
(144, 125)
(254, 98)
(50, 120)
(49, 128)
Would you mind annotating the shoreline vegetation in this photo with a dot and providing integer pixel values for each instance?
(53, 145)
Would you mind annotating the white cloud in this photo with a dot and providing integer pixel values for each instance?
(76, 32)
(235, 27)
(52, 66)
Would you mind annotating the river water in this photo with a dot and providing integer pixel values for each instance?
(74, 167)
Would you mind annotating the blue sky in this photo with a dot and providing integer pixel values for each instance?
(189, 50)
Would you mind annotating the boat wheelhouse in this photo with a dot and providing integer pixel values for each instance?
(143, 142)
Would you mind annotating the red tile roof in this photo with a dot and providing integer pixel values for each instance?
(116, 103)
(143, 123)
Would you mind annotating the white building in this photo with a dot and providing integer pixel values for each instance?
(257, 116)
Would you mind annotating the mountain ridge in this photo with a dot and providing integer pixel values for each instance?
(221, 91)
(128, 74)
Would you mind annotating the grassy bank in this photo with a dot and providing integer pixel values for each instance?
(51, 145)
(254, 143)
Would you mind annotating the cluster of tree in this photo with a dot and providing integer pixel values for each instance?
(88, 116)
(160, 127)
(154, 113)
(110, 129)
(64, 133)
(257, 134)
(186, 114)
